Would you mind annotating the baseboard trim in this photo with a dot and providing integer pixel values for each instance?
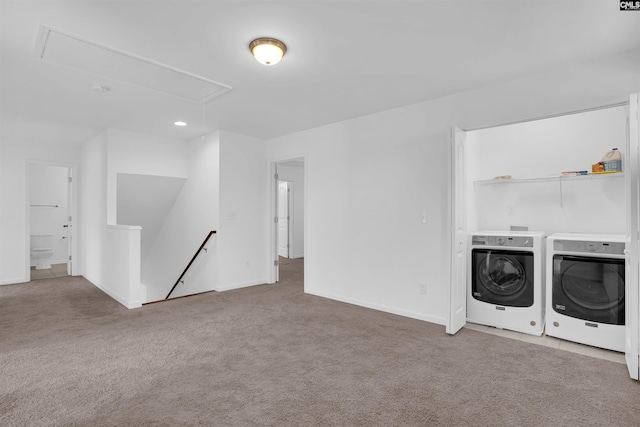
(178, 297)
(239, 285)
(387, 309)
(123, 301)
(13, 281)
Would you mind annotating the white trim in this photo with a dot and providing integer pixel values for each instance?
(124, 227)
(239, 286)
(551, 116)
(289, 157)
(56, 261)
(16, 281)
(123, 301)
(379, 307)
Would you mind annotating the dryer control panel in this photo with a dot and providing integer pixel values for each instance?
(506, 241)
(612, 248)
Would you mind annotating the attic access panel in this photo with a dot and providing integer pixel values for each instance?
(74, 52)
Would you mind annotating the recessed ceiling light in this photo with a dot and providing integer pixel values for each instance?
(268, 51)
(179, 123)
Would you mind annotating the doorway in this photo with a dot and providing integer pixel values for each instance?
(50, 215)
(284, 218)
(289, 218)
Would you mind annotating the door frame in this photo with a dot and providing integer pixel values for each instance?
(72, 200)
(632, 248)
(272, 250)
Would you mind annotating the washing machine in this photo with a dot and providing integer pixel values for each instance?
(506, 280)
(586, 289)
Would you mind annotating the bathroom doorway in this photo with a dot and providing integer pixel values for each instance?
(50, 215)
(289, 217)
(284, 218)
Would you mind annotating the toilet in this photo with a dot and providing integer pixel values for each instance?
(41, 250)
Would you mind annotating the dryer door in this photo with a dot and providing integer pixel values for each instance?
(589, 288)
(502, 277)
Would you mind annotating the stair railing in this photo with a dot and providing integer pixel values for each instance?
(202, 246)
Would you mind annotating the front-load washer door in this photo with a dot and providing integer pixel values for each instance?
(589, 288)
(502, 277)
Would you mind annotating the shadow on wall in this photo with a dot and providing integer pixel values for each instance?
(146, 200)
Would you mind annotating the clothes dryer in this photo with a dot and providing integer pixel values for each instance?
(506, 280)
(586, 289)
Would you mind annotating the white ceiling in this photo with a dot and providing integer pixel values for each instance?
(345, 58)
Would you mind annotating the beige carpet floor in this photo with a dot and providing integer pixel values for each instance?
(272, 355)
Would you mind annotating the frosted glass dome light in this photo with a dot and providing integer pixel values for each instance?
(268, 51)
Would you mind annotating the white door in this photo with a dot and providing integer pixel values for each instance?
(632, 296)
(276, 229)
(68, 226)
(284, 216)
(458, 285)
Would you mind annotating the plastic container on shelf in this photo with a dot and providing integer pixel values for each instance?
(612, 161)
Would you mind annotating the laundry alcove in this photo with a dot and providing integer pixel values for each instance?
(515, 177)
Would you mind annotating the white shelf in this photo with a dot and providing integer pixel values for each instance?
(548, 179)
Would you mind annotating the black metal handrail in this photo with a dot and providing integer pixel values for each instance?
(211, 233)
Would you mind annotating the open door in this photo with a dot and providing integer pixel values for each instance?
(69, 224)
(458, 285)
(632, 252)
(284, 218)
(276, 228)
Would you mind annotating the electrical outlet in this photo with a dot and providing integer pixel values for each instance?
(422, 288)
(511, 210)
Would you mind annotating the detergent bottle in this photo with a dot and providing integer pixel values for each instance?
(612, 160)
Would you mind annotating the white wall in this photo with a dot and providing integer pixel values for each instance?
(1, 210)
(294, 172)
(542, 149)
(235, 257)
(121, 273)
(94, 208)
(146, 200)
(193, 215)
(16, 153)
(104, 157)
(138, 153)
(370, 179)
(242, 237)
(48, 185)
(546, 147)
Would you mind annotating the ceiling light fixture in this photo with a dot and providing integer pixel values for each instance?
(100, 88)
(179, 123)
(267, 51)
